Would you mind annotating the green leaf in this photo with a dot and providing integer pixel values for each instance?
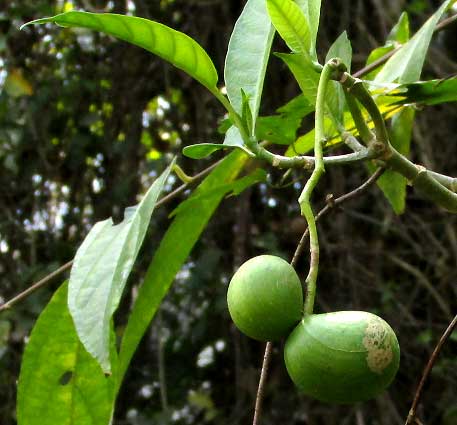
(233, 139)
(278, 129)
(391, 183)
(60, 383)
(312, 10)
(430, 92)
(291, 24)
(282, 128)
(335, 99)
(308, 79)
(305, 74)
(342, 49)
(406, 64)
(173, 251)
(232, 188)
(173, 46)
(400, 31)
(398, 35)
(246, 113)
(100, 270)
(247, 56)
(203, 150)
(305, 143)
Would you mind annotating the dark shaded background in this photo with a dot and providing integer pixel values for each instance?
(86, 123)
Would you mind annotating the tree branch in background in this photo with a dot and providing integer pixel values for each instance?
(262, 382)
(331, 204)
(8, 304)
(43, 282)
(383, 59)
(428, 368)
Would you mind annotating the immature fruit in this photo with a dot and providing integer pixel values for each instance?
(342, 357)
(265, 298)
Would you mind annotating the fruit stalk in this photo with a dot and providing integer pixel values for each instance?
(318, 171)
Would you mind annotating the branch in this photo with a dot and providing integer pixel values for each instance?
(8, 304)
(35, 286)
(418, 176)
(262, 382)
(428, 369)
(319, 169)
(331, 204)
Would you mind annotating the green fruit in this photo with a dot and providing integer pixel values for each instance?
(265, 298)
(342, 357)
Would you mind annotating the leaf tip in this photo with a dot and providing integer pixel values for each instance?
(36, 22)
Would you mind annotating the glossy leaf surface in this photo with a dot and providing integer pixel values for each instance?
(100, 270)
(173, 46)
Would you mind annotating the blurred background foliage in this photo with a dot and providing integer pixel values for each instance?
(86, 123)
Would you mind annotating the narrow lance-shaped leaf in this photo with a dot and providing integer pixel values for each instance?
(171, 45)
(247, 56)
(100, 270)
(406, 64)
(246, 62)
(173, 251)
(291, 24)
(60, 383)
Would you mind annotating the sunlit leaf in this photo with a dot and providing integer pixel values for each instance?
(247, 56)
(60, 383)
(292, 25)
(100, 270)
(406, 64)
(173, 251)
(312, 10)
(400, 31)
(171, 45)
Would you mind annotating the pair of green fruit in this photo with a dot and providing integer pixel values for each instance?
(341, 357)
